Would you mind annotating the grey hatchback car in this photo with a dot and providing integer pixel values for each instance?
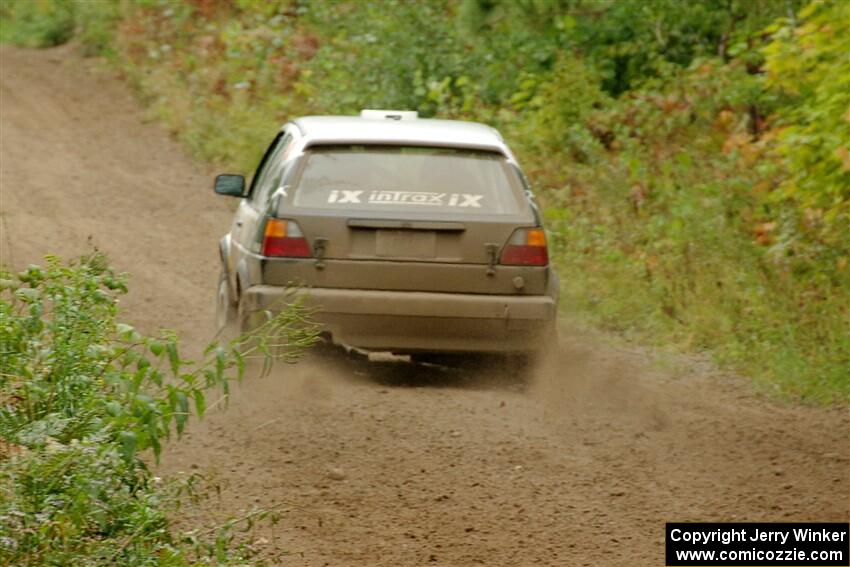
(411, 236)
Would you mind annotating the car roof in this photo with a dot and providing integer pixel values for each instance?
(317, 130)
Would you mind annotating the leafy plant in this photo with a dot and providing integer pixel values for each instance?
(809, 66)
(36, 23)
(82, 396)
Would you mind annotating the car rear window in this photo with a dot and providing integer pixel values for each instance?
(407, 178)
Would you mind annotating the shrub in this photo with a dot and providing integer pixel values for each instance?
(809, 66)
(81, 397)
(36, 23)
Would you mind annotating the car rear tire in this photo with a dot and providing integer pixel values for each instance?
(226, 309)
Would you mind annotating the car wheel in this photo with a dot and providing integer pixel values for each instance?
(226, 311)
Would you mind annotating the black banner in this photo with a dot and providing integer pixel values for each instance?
(757, 544)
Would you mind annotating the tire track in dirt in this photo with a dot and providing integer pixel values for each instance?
(386, 464)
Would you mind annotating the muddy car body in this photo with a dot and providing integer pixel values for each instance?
(408, 235)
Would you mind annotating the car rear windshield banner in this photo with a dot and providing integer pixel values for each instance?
(427, 198)
(765, 545)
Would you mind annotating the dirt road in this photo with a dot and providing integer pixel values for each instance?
(386, 465)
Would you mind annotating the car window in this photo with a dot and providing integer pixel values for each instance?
(258, 174)
(268, 179)
(407, 178)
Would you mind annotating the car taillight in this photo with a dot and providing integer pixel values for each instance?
(527, 247)
(283, 238)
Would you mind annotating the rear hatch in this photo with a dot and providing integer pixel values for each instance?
(407, 218)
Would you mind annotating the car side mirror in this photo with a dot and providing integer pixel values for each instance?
(230, 185)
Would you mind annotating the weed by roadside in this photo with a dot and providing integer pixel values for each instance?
(83, 397)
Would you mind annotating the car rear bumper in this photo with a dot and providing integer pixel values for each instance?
(405, 321)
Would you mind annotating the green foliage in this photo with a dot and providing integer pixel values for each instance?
(36, 23)
(47, 23)
(555, 108)
(81, 396)
(410, 60)
(627, 41)
(634, 40)
(95, 22)
(809, 66)
(662, 240)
